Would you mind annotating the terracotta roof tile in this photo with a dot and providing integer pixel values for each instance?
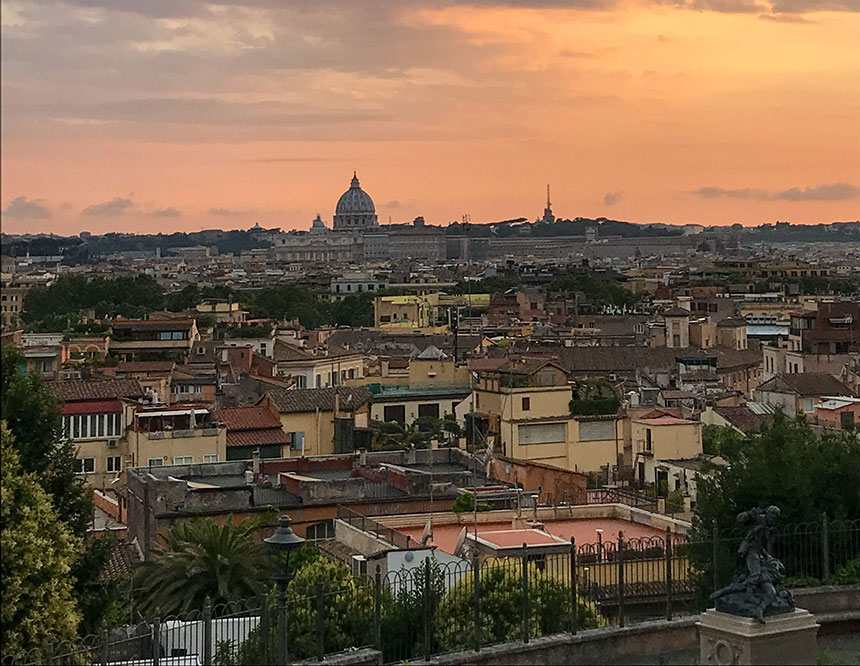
(289, 401)
(96, 389)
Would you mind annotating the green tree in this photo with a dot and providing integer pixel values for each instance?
(347, 614)
(408, 604)
(501, 591)
(355, 310)
(718, 439)
(33, 417)
(102, 604)
(38, 551)
(199, 559)
(788, 465)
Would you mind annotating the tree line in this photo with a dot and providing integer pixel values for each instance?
(59, 306)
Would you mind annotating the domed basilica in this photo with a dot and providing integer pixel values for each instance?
(355, 210)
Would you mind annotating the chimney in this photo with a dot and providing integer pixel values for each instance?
(255, 461)
(362, 457)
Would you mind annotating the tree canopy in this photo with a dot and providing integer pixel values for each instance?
(37, 554)
(33, 416)
(199, 559)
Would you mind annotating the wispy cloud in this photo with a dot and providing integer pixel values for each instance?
(22, 208)
(167, 212)
(113, 208)
(612, 198)
(833, 192)
(225, 212)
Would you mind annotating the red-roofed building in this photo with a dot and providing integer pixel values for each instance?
(254, 427)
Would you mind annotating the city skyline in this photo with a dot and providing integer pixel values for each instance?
(184, 116)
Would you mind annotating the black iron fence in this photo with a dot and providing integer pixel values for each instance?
(434, 607)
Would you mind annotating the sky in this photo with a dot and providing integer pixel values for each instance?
(152, 116)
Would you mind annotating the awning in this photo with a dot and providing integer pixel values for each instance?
(92, 407)
(176, 412)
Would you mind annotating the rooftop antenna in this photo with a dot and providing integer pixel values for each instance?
(547, 196)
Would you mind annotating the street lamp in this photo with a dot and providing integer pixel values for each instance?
(285, 541)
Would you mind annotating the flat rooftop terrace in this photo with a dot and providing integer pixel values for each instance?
(584, 530)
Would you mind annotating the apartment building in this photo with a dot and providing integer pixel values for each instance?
(97, 415)
(153, 339)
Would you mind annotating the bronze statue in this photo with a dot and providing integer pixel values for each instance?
(759, 591)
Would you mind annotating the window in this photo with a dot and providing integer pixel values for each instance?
(178, 335)
(85, 465)
(429, 409)
(394, 413)
(596, 431)
(527, 404)
(114, 464)
(183, 460)
(319, 381)
(648, 442)
(351, 373)
(165, 335)
(155, 462)
(808, 406)
(541, 433)
(298, 441)
(211, 458)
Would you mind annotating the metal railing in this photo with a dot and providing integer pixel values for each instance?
(428, 607)
(366, 524)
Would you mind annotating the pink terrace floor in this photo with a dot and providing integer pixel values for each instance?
(584, 530)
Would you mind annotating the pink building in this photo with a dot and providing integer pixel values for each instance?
(837, 411)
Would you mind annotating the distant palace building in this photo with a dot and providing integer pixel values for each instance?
(357, 236)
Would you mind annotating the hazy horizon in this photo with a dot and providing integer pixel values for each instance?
(182, 115)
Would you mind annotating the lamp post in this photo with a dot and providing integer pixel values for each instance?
(283, 541)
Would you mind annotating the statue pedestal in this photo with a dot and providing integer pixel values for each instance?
(788, 638)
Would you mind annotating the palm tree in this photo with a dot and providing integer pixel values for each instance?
(200, 559)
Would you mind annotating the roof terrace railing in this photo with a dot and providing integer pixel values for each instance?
(365, 524)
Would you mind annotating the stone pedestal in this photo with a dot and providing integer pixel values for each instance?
(789, 638)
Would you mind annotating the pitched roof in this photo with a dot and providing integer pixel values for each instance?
(125, 556)
(284, 351)
(288, 401)
(145, 366)
(676, 312)
(96, 389)
(809, 384)
(247, 418)
(743, 418)
(264, 437)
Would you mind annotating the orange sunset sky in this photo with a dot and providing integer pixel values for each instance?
(164, 115)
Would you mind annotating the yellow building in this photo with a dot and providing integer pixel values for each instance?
(168, 435)
(525, 404)
(322, 421)
(660, 436)
(423, 311)
(97, 416)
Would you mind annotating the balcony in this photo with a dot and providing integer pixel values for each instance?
(176, 434)
(418, 389)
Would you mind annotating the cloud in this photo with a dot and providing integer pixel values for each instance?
(113, 208)
(392, 204)
(723, 193)
(23, 208)
(834, 192)
(225, 212)
(167, 212)
(612, 198)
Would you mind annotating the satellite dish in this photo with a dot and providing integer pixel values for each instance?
(461, 542)
(428, 532)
